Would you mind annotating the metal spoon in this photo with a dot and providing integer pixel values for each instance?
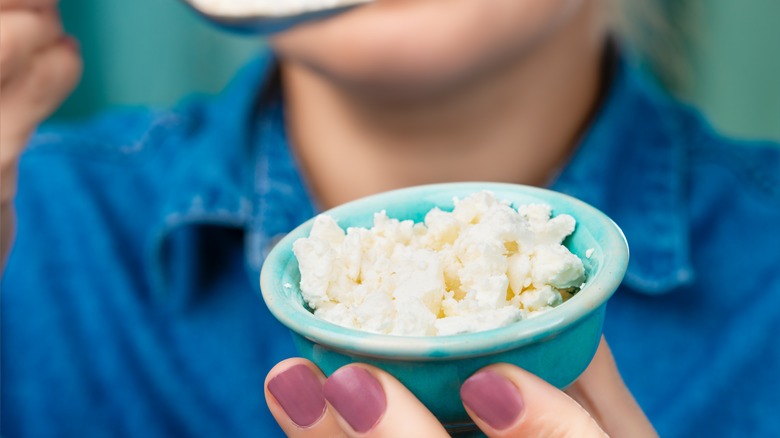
(255, 23)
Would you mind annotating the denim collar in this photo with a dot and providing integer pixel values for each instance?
(629, 164)
(235, 170)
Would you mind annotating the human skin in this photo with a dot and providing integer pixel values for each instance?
(422, 91)
(598, 404)
(412, 91)
(404, 92)
(39, 67)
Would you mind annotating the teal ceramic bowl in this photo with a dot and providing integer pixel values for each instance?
(557, 345)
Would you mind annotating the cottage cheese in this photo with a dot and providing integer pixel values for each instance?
(481, 266)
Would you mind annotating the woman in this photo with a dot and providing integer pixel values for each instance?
(130, 302)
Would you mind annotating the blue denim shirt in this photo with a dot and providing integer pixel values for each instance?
(131, 306)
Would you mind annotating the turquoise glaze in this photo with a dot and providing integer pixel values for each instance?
(556, 345)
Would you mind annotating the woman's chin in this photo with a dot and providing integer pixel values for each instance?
(412, 46)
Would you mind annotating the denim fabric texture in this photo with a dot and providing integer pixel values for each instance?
(131, 306)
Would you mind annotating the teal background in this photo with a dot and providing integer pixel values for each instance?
(154, 52)
(736, 65)
(147, 52)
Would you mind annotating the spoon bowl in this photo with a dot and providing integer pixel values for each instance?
(266, 23)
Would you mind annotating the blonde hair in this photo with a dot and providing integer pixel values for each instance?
(660, 33)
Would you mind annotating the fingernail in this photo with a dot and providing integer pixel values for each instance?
(299, 392)
(494, 399)
(357, 396)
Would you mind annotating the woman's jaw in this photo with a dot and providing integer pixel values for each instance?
(408, 48)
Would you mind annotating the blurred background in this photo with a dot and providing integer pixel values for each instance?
(154, 52)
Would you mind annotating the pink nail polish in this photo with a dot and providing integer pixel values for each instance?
(299, 392)
(493, 398)
(357, 396)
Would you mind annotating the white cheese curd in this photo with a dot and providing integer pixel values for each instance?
(268, 7)
(481, 266)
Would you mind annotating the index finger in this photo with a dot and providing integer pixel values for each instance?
(27, 4)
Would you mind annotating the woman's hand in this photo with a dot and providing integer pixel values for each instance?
(503, 400)
(39, 66)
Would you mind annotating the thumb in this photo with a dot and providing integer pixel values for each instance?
(601, 391)
(506, 401)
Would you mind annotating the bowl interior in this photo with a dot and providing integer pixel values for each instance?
(280, 277)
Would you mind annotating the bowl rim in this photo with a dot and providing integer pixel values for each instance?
(595, 293)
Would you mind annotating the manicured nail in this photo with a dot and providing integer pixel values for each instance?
(492, 398)
(299, 392)
(357, 396)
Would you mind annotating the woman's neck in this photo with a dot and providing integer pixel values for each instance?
(518, 123)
